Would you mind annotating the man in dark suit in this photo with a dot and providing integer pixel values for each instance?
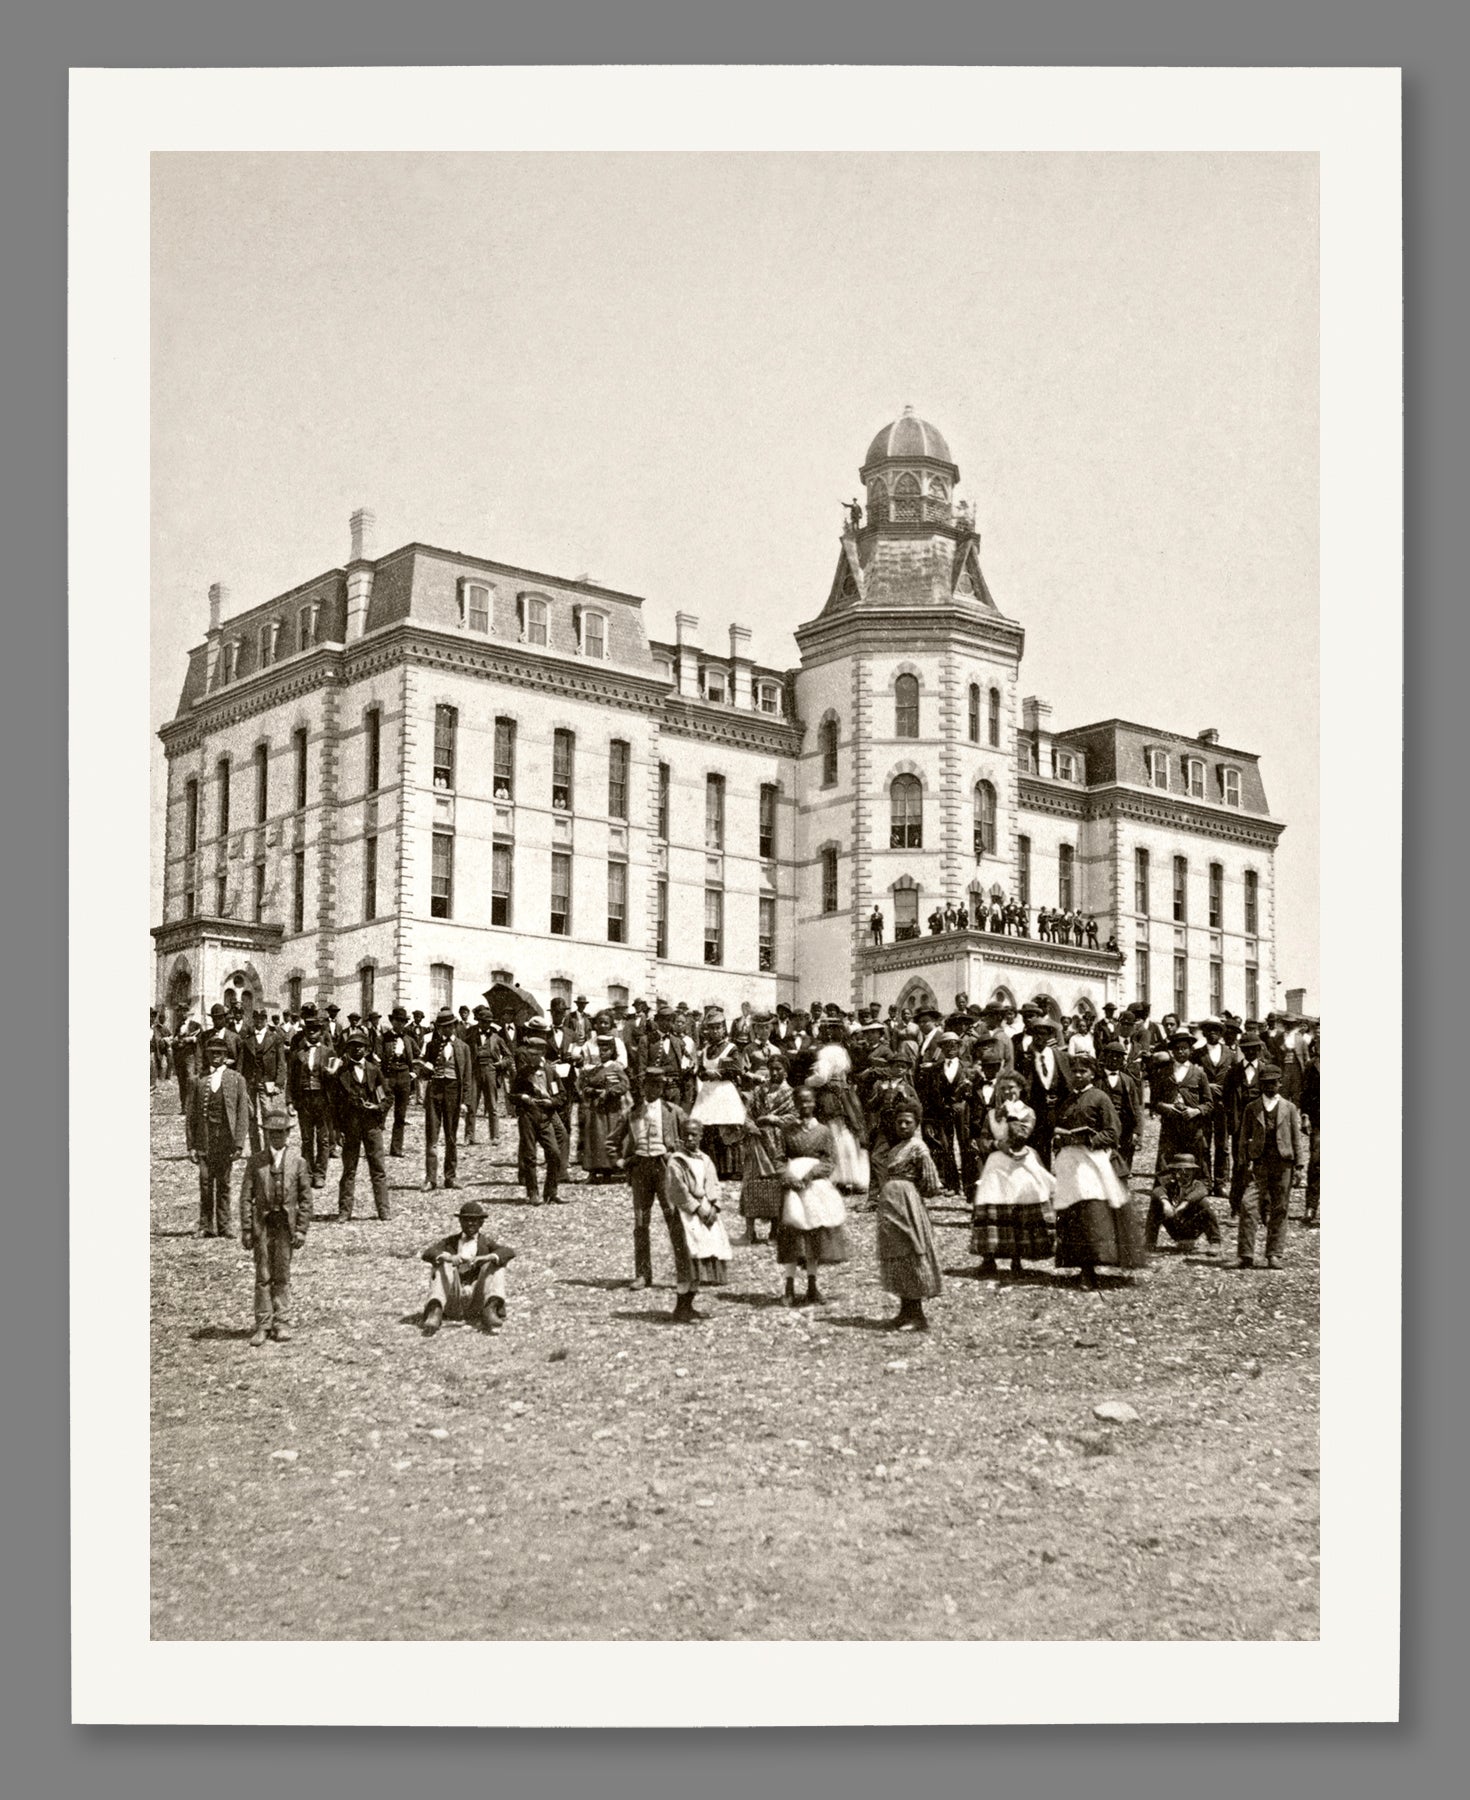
(308, 1075)
(1216, 1058)
(944, 1093)
(644, 1140)
(1126, 1095)
(447, 1071)
(1242, 1084)
(1271, 1148)
(361, 1104)
(263, 1066)
(1048, 1072)
(220, 1026)
(1180, 1095)
(275, 1215)
(1180, 1205)
(185, 1052)
(397, 1054)
(539, 1099)
(468, 1281)
(217, 1129)
(487, 1053)
(1311, 1111)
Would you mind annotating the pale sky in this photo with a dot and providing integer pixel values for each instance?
(663, 371)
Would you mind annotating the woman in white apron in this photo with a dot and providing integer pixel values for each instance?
(812, 1229)
(1097, 1226)
(1012, 1204)
(718, 1105)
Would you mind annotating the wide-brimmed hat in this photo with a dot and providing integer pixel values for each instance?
(445, 1016)
(472, 1209)
(1183, 1161)
(278, 1119)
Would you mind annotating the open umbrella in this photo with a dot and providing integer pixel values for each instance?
(512, 1005)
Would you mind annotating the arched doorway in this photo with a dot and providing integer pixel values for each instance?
(242, 988)
(179, 995)
(918, 993)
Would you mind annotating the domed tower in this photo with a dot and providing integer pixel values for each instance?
(908, 690)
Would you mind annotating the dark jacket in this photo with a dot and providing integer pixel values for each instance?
(1256, 1132)
(464, 1066)
(364, 1101)
(1127, 1099)
(263, 1062)
(297, 1072)
(485, 1245)
(237, 1111)
(671, 1122)
(257, 1201)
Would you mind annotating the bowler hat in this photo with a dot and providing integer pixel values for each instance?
(1251, 1043)
(472, 1209)
(445, 1016)
(1268, 1072)
(1183, 1032)
(218, 1012)
(1183, 1161)
(277, 1119)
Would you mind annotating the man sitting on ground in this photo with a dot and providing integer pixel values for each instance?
(1180, 1204)
(469, 1274)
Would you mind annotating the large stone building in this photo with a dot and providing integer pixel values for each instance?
(427, 771)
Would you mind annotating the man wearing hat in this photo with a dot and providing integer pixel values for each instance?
(447, 1072)
(1180, 1095)
(538, 1097)
(644, 1141)
(1215, 1058)
(488, 1053)
(1242, 1085)
(944, 1093)
(186, 1055)
(1126, 1095)
(1180, 1205)
(263, 1066)
(275, 1215)
(468, 1279)
(219, 1026)
(216, 1131)
(308, 1075)
(397, 1054)
(1272, 1149)
(1047, 1071)
(361, 1105)
(930, 1022)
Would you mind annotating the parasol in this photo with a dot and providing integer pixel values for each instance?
(512, 1005)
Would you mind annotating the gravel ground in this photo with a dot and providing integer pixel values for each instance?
(766, 1474)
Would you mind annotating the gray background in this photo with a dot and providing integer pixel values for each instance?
(40, 1753)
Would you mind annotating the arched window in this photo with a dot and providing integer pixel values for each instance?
(827, 741)
(877, 502)
(906, 501)
(984, 819)
(906, 800)
(906, 706)
(995, 717)
(905, 910)
(974, 712)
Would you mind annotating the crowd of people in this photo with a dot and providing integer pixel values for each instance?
(1004, 917)
(1030, 1119)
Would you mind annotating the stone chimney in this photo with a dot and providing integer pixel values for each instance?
(740, 694)
(1209, 735)
(218, 595)
(1035, 714)
(359, 572)
(686, 659)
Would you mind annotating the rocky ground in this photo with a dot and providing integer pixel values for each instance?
(594, 1472)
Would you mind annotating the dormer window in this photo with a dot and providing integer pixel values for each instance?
(663, 668)
(533, 611)
(714, 686)
(1158, 768)
(267, 644)
(227, 659)
(768, 697)
(306, 620)
(1065, 765)
(1230, 786)
(592, 633)
(1194, 777)
(474, 606)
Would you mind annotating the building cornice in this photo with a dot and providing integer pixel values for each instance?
(865, 628)
(1016, 952)
(230, 934)
(732, 726)
(1147, 806)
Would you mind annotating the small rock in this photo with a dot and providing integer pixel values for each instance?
(598, 1436)
(950, 1605)
(898, 1364)
(517, 1406)
(1176, 1580)
(681, 1371)
(558, 1355)
(706, 1501)
(1048, 1556)
(285, 1455)
(438, 1433)
(1118, 1411)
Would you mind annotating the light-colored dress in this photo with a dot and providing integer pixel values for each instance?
(1097, 1225)
(1012, 1206)
(908, 1261)
(813, 1222)
(692, 1182)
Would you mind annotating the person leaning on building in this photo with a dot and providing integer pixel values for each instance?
(216, 1130)
(275, 1215)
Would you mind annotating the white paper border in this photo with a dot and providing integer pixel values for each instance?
(1351, 119)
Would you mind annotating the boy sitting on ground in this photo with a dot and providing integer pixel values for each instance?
(469, 1274)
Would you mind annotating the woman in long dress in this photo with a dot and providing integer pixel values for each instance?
(718, 1105)
(1097, 1225)
(812, 1229)
(604, 1094)
(694, 1188)
(908, 1263)
(1012, 1205)
(839, 1109)
(771, 1109)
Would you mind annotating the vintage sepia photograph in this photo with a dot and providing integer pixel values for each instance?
(735, 1034)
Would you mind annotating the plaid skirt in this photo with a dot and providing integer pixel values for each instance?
(1019, 1232)
(760, 1195)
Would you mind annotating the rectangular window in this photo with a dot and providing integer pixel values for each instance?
(222, 781)
(370, 878)
(617, 779)
(1140, 883)
(995, 718)
(661, 919)
(441, 886)
(298, 751)
(1194, 774)
(366, 985)
(1064, 765)
(594, 635)
(829, 752)
(617, 903)
(446, 727)
(1217, 985)
(257, 904)
(441, 985)
(502, 872)
(1252, 991)
(227, 661)
(563, 756)
(1023, 870)
(191, 816)
(221, 893)
(298, 891)
(262, 783)
(768, 822)
(766, 944)
(293, 993)
(906, 707)
(662, 826)
(1158, 769)
(561, 893)
(1140, 956)
(829, 881)
(504, 775)
(373, 748)
(266, 643)
(1252, 904)
(1181, 985)
(714, 926)
(306, 627)
(1230, 786)
(974, 714)
(714, 812)
(714, 686)
(1217, 898)
(1066, 858)
(905, 914)
(477, 606)
(768, 696)
(1181, 892)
